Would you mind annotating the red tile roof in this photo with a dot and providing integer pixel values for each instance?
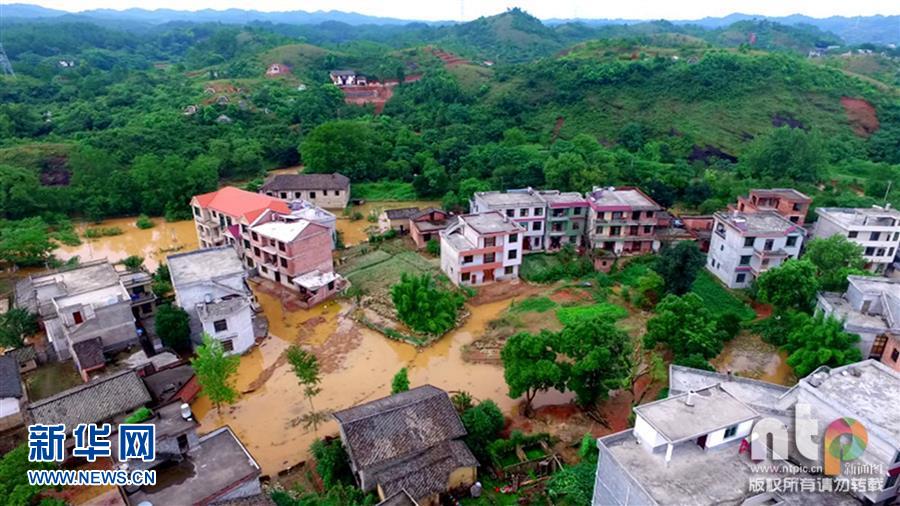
(240, 203)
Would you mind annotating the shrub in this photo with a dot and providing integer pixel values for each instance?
(332, 463)
(142, 414)
(533, 305)
(423, 306)
(93, 233)
(173, 327)
(482, 422)
(433, 247)
(144, 222)
(572, 315)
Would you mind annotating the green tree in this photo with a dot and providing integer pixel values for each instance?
(173, 325)
(835, 258)
(483, 424)
(25, 242)
(818, 341)
(790, 286)
(433, 247)
(355, 146)
(785, 153)
(685, 325)
(423, 306)
(400, 382)
(14, 487)
(332, 462)
(599, 359)
(215, 371)
(306, 367)
(16, 324)
(529, 365)
(162, 281)
(133, 263)
(649, 289)
(678, 265)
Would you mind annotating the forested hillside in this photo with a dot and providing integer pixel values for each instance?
(101, 122)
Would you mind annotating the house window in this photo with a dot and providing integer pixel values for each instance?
(576, 211)
(896, 235)
(281, 246)
(254, 236)
(282, 261)
(324, 193)
(647, 229)
(852, 234)
(513, 254)
(465, 276)
(510, 213)
(894, 356)
(264, 269)
(77, 317)
(246, 244)
(523, 212)
(508, 269)
(649, 214)
(536, 225)
(312, 195)
(538, 211)
(489, 258)
(730, 431)
(870, 251)
(490, 242)
(617, 215)
(331, 285)
(615, 230)
(220, 325)
(197, 211)
(792, 241)
(796, 207)
(769, 244)
(741, 278)
(636, 215)
(748, 242)
(874, 236)
(745, 260)
(576, 225)
(228, 345)
(467, 259)
(298, 195)
(513, 237)
(256, 251)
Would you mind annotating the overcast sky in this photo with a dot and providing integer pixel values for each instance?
(470, 9)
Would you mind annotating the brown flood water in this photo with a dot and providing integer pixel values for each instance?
(747, 355)
(357, 366)
(154, 244)
(354, 232)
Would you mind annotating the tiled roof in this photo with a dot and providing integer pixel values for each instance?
(426, 473)
(236, 202)
(399, 214)
(10, 380)
(290, 182)
(165, 384)
(89, 353)
(399, 426)
(24, 354)
(101, 399)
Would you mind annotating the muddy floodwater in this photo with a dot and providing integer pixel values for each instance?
(154, 244)
(355, 231)
(747, 355)
(357, 366)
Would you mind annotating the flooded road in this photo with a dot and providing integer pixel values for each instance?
(165, 238)
(355, 231)
(357, 366)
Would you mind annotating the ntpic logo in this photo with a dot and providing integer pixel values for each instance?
(845, 439)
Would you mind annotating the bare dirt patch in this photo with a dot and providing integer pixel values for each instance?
(571, 296)
(861, 114)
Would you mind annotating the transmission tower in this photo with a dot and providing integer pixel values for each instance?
(5, 66)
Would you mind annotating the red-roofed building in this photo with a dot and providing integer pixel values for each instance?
(218, 214)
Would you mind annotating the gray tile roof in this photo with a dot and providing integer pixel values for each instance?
(24, 354)
(403, 213)
(392, 437)
(101, 399)
(10, 379)
(426, 473)
(291, 182)
(90, 353)
(163, 385)
(398, 499)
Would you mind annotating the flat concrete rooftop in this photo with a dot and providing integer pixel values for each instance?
(203, 265)
(218, 464)
(869, 389)
(622, 197)
(491, 223)
(764, 222)
(511, 198)
(713, 408)
(860, 216)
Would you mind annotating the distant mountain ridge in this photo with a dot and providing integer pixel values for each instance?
(854, 30)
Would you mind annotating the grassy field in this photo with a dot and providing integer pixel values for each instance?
(533, 305)
(387, 190)
(51, 379)
(574, 314)
(718, 299)
(379, 269)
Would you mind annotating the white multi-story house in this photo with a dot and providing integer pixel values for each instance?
(876, 229)
(481, 248)
(744, 245)
(210, 284)
(623, 221)
(526, 207)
